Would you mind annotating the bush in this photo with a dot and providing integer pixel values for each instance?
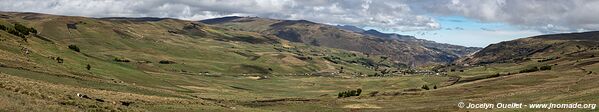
(548, 59)
(74, 48)
(166, 62)
(2, 27)
(425, 87)
(59, 60)
(88, 67)
(19, 30)
(546, 67)
(352, 93)
(16, 33)
(121, 60)
(374, 93)
(532, 69)
(22, 29)
(349, 93)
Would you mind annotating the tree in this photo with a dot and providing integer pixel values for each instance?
(88, 67)
(359, 91)
(74, 48)
(435, 87)
(22, 29)
(346, 94)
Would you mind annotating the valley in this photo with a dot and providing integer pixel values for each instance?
(71, 63)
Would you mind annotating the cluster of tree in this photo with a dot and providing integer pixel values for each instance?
(534, 69)
(19, 30)
(425, 87)
(349, 93)
(74, 48)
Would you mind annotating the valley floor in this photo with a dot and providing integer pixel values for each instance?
(24, 92)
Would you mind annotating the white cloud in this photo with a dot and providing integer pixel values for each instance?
(400, 15)
(548, 16)
(372, 13)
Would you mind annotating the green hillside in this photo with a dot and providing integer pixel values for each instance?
(66, 63)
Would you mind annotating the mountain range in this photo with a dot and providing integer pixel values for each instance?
(71, 63)
(403, 49)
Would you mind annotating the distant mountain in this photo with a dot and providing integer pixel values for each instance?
(375, 33)
(543, 47)
(399, 48)
(350, 28)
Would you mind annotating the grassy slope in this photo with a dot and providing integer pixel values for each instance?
(568, 82)
(210, 62)
(209, 75)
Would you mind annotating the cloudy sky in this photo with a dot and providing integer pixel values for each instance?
(463, 22)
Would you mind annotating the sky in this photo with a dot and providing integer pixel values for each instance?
(475, 23)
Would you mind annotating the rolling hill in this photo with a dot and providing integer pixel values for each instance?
(69, 63)
(156, 57)
(401, 49)
(543, 47)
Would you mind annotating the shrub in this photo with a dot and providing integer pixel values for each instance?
(59, 60)
(546, 67)
(425, 87)
(374, 93)
(435, 87)
(121, 60)
(352, 93)
(74, 48)
(16, 33)
(2, 27)
(349, 93)
(166, 62)
(532, 69)
(548, 59)
(32, 30)
(88, 67)
(22, 29)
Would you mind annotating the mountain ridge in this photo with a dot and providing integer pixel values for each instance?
(542, 46)
(403, 49)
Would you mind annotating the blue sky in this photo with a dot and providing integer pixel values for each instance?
(468, 32)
